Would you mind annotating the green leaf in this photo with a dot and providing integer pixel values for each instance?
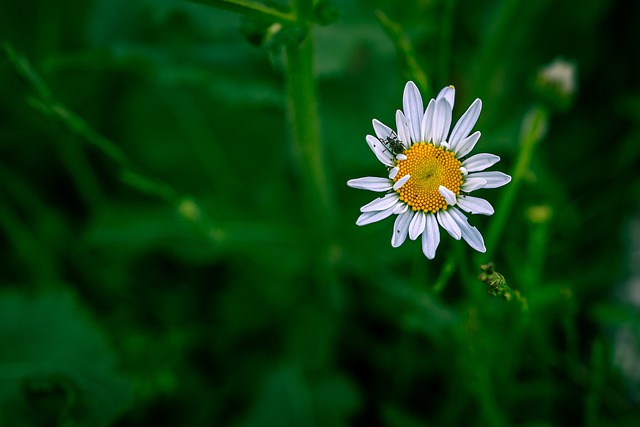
(56, 367)
(250, 8)
(289, 398)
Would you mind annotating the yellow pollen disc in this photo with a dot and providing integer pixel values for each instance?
(429, 167)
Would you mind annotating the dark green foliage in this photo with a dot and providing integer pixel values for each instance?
(165, 264)
(56, 367)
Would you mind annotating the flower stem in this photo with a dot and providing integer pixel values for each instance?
(304, 123)
(251, 8)
(534, 128)
(446, 272)
(499, 34)
(405, 50)
(37, 260)
(303, 117)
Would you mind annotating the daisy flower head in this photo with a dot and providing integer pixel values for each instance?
(430, 172)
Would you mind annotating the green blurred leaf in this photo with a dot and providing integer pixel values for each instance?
(288, 398)
(56, 367)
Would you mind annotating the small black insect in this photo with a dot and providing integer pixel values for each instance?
(392, 144)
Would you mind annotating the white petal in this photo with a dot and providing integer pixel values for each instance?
(475, 205)
(427, 121)
(448, 93)
(464, 171)
(370, 217)
(403, 130)
(465, 146)
(480, 162)
(430, 237)
(472, 184)
(447, 222)
(441, 121)
(400, 228)
(380, 150)
(399, 183)
(465, 123)
(393, 172)
(381, 203)
(413, 111)
(371, 183)
(401, 156)
(494, 179)
(474, 238)
(382, 130)
(470, 234)
(448, 195)
(400, 208)
(416, 227)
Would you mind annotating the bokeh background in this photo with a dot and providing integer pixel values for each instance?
(161, 264)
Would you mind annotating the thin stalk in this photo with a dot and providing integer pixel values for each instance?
(45, 103)
(405, 50)
(38, 262)
(498, 35)
(456, 261)
(251, 8)
(446, 272)
(75, 125)
(304, 120)
(533, 131)
(486, 394)
(83, 176)
(539, 217)
(596, 388)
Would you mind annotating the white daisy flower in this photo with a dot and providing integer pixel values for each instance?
(430, 176)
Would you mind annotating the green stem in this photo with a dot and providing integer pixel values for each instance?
(24, 70)
(83, 176)
(304, 122)
(490, 411)
(533, 131)
(45, 103)
(405, 50)
(75, 125)
(303, 118)
(498, 36)
(596, 388)
(446, 272)
(37, 260)
(536, 250)
(251, 8)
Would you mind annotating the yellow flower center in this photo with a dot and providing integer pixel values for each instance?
(429, 167)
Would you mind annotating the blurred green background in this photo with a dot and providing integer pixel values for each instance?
(162, 264)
